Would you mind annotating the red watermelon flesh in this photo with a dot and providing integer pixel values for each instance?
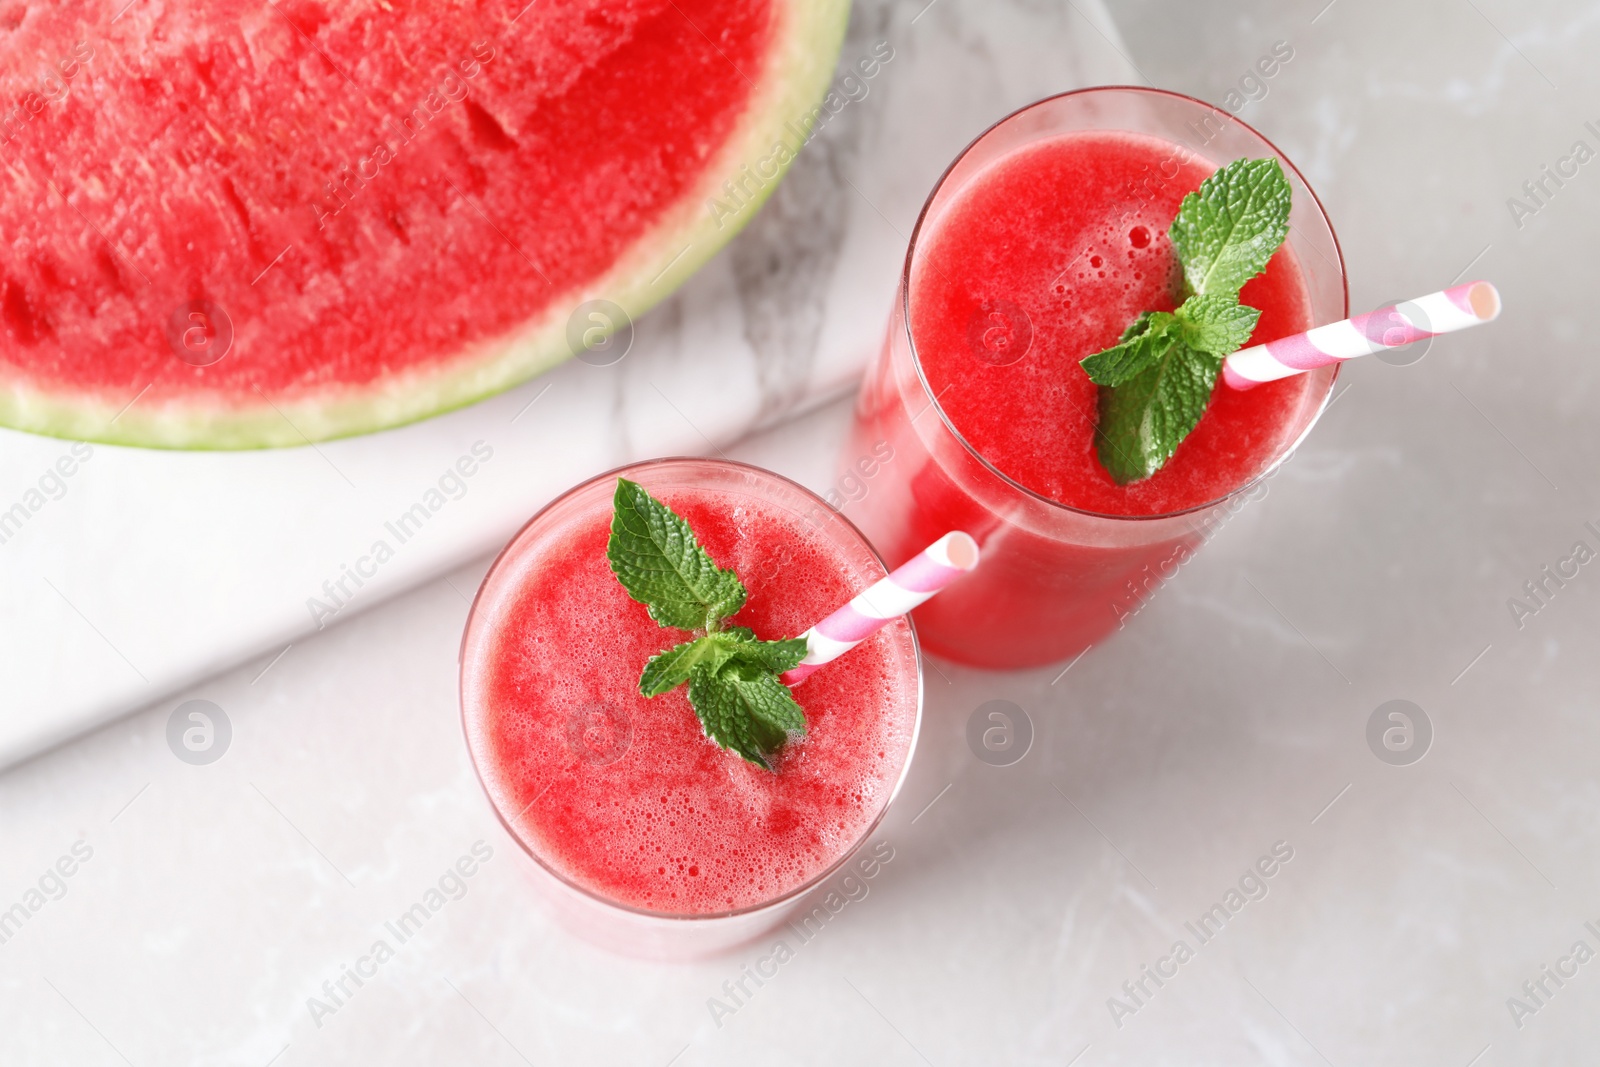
(393, 209)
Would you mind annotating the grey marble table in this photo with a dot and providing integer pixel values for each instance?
(1424, 906)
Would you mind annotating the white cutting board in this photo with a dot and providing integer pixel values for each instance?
(141, 571)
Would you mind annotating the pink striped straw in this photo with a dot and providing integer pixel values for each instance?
(910, 584)
(1413, 320)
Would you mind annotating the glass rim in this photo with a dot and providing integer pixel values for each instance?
(686, 918)
(944, 417)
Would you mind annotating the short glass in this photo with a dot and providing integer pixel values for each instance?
(612, 751)
(1054, 579)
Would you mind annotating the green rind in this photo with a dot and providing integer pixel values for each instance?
(654, 268)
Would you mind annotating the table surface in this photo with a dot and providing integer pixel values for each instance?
(1420, 905)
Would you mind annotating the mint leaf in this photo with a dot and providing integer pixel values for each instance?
(1156, 381)
(1225, 233)
(1216, 323)
(734, 686)
(668, 670)
(1141, 346)
(745, 709)
(1143, 421)
(775, 656)
(660, 563)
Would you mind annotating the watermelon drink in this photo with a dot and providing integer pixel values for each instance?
(1041, 243)
(650, 838)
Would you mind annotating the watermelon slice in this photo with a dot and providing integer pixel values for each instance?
(239, 225)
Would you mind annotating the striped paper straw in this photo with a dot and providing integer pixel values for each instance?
(916, 580)
(1390, 327)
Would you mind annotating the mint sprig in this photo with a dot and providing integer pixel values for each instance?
(1156, 381)
(732, 674)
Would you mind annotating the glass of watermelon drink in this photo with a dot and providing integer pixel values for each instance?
(647, 837)
(1045, 238)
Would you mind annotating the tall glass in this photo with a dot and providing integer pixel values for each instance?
(1054, 578)
(604, 746)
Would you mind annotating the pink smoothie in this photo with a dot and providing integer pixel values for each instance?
(624, 796)
(1023, 266)
(1072, 231)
